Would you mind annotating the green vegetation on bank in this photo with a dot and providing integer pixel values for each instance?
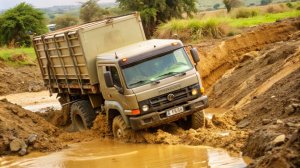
(17, 56)
(260, 19)
(224, 25)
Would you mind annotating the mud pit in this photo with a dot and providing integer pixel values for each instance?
(108, 153)
(100, 147)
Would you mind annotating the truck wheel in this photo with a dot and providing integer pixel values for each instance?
(82, 115)
(120, 129)
(197, 120)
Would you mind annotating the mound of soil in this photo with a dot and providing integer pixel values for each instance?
(21, 79)
(263, 93)
(23, 131)
(216, 59)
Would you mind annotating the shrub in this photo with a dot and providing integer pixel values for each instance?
(290, 5)
(265, 2)
(192, 29)
(216, 6)
(245, 13)
(275, 9)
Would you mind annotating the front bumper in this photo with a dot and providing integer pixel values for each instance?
(158, 118)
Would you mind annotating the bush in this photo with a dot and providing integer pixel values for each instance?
(275, 9)
(192, 29)
(245, 13)
(265, 2)
(290, 5)
(216, 6)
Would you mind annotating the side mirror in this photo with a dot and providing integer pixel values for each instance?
(195, 55)
(119, 89)
(108, 79)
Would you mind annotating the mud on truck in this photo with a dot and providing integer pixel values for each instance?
(109, 67)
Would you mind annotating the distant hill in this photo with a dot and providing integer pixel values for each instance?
(54, 11)
(208, 4)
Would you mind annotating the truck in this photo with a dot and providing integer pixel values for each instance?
(108, 67)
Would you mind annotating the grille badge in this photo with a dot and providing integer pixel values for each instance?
(170, 97)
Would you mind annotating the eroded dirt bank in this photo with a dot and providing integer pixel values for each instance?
(221, 56)
(263, 95)
(22, 79)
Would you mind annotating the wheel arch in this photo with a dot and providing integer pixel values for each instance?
(113, 109)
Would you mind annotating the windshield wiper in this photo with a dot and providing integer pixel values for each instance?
(168, 74)
(139, 82)
(182, 73)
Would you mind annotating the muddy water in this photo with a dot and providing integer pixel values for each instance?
(34, 101)
(114, 154)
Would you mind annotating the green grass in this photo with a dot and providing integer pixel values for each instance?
(193, 30)
(190, 29)
(260, 19)
(6, 55)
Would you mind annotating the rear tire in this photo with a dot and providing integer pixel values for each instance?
(82, 115)
(120, 129)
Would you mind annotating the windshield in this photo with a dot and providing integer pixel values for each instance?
(153, 70)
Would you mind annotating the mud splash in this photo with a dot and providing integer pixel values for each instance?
(108, 153)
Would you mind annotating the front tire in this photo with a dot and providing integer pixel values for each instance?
(82, 115)
(120, 129)
(198, 120)
(194, 121)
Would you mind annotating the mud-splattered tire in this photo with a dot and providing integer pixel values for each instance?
(197, 120)
(120, 129)
(82, 115)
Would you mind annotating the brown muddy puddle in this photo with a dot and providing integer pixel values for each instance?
(107, 153)
(34, 101)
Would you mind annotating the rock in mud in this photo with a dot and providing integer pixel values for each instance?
(279, 140)
(31, 138)
(279, 121)
(22, 152)
(266, 121)
(17, 144)
(289, 109)
(243, 123)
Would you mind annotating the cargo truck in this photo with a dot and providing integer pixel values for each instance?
(109, 67)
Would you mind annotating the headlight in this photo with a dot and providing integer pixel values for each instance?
(194, 92)
(145, 108)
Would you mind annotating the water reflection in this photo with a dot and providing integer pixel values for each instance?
(113, 154)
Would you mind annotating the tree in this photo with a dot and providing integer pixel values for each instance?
(18, 23)
(65, 21)
(229, 4)
(91, 11)
(216, 6)
(156, 11)
(265, 2)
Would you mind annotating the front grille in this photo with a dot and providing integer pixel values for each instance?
(162, 100)
(180, 96)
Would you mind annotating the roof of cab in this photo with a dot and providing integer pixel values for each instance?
(137, 49)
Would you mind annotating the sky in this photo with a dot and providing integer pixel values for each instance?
(6, 4)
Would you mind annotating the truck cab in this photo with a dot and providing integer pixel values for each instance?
(150, 83)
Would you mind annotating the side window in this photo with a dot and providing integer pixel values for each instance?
(180, 58)
(115, 76)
